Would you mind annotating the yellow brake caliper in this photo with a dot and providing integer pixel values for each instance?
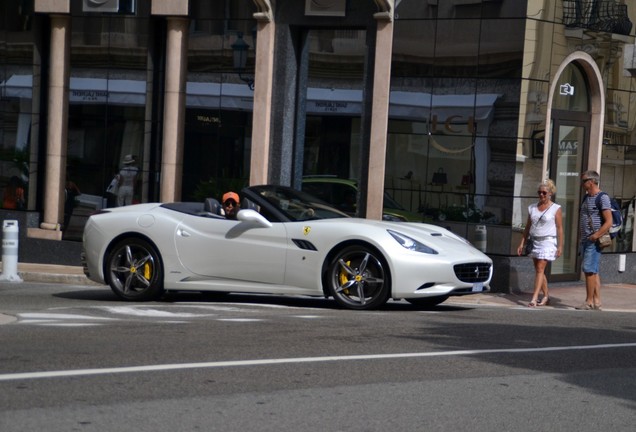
(344, 278)
(147, 270)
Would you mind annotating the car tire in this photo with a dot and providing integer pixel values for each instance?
(358, 278)
(134, 270)
(427, 302)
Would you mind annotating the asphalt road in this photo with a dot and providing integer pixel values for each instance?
(75, 358)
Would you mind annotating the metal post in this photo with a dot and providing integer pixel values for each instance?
(10, 232)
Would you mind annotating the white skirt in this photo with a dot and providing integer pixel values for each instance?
(544, 249)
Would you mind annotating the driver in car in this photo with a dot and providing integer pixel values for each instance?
(230, 204)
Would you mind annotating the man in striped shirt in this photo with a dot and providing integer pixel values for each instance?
(592, 227)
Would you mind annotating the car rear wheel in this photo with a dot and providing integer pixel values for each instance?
(134, 270)
(426, 302)
(358, 278)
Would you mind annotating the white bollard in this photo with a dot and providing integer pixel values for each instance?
(10, 232)
(621, 262)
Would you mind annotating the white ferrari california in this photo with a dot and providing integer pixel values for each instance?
(284, 242)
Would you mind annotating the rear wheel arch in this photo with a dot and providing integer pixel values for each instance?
(133, 268)
(119, 238)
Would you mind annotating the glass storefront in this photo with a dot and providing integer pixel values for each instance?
(19, 106)
(110, 115)
(454, 114)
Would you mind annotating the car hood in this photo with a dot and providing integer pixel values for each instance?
(442, 240)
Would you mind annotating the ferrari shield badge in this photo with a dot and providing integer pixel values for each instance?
(306, 230)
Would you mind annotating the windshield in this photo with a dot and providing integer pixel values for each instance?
(297, 205)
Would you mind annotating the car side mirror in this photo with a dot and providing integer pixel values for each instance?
(252, 216)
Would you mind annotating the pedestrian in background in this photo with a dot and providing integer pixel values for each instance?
(14, 196)
(594, 222)
(71, 191)
(544, 228)
(127, 180)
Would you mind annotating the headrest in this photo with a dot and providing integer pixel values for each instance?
(211, 205)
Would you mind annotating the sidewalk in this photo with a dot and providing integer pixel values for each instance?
(564, 295)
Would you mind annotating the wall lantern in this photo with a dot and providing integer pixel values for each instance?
(239, 50)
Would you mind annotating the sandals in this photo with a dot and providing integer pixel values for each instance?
(585, 306)
(544, 302)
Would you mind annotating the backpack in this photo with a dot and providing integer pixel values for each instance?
(617, 215)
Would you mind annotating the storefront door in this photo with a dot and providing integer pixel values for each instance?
(570, 143)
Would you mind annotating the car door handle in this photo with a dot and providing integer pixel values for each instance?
(183, 233)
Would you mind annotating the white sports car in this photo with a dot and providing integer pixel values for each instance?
(284, 242)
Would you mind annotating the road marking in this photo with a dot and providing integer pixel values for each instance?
(150, 312)
(57, 316)
(265, 362)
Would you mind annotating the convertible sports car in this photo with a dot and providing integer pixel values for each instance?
(284, 242)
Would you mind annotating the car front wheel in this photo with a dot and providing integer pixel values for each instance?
(134, 271)
(358, 278)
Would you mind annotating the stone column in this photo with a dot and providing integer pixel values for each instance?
(262, 112)
(379, 115)
(174, 109)
(57, 125)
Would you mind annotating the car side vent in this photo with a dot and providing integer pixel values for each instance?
(436, 234)
(472, 272)
(304, 244)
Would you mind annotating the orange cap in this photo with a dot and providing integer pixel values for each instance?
(231, 195)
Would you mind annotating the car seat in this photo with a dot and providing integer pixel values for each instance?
(210, 205)
(247, 204)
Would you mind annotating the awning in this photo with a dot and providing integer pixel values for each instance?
(86, 90)
(417, 106)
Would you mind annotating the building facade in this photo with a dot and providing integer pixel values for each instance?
(455, 108)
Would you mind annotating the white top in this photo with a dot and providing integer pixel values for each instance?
(128, 175)
(543, 224)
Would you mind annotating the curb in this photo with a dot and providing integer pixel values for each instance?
(51, 273)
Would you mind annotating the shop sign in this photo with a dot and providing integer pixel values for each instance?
(207, 119)
(89, 95)
(331, 106)
(568, 148)
(454, 124)
(566, 89)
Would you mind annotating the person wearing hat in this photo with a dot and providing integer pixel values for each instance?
(230, 204)
(127, 180)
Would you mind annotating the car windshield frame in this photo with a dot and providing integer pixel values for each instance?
(285, 204)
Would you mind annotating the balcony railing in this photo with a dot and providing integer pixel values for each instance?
(598, 15)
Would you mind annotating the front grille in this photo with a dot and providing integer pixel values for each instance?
(472, 272)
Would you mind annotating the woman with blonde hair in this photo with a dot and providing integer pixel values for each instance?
(545, 229)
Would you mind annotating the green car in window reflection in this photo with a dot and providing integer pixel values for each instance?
(342, 194)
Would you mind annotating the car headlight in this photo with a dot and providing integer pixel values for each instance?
(411, 244)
